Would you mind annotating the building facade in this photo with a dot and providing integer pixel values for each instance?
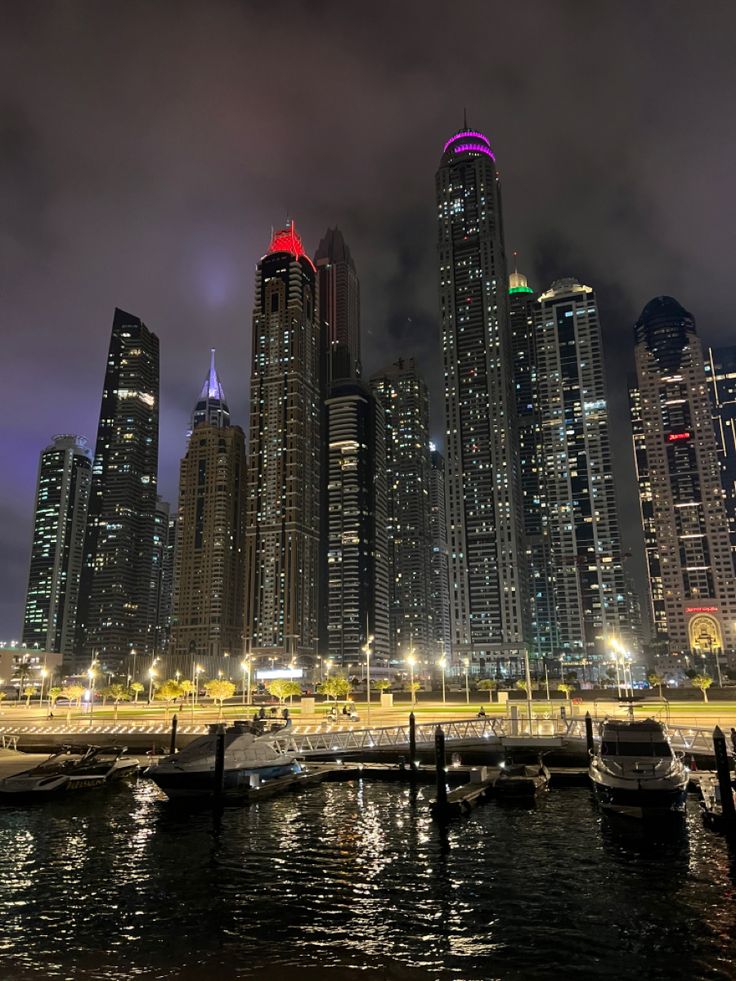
(115, 608)
(524, 319)
(59, 523)
(688, 542)
(404, 397)
(590, 604)
(357, 542)
(162, 574)
(484, 503)
(339, 304)
(720, 370)
(284, 458)
(209, 561)
(440, 556)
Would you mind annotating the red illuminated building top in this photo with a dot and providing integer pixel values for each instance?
(287, 240)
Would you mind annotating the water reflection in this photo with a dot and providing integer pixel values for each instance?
(122, 884)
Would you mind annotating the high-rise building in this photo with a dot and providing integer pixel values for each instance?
(357, 546)
(62, 496)
(403, 394)
(484, 503)
(720, 370)
(284, 459)
(161, 576)
(687, 536)
(209, 561)
(579, 491)
(115, 609)
(339, 303)
(440, 559)
(523, 318)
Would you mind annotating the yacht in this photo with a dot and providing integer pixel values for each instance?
(65, 771)
(636, 773)
(251, 756)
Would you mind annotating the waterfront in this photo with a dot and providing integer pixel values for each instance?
(349, 876)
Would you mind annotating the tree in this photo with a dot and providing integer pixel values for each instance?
(567, 689)
(413, 687)
(168, 691)
(703, 682)
(118, 693)
(657, 680)
(187, 688)
(521, 683)
(383, 684)
(73, 693)
(28, 693)
(106, 693)
(22, 674)
(336, 686)
(487, 684)
(2, 695)
(136, 688)
(282, 688)
(218, 691)
(54, 693)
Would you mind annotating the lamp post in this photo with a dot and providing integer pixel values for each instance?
(91, 676)
(134, 654)
(197, 672)
(562, 669)
(716, 651)
(443, 664)
(44, 672)
(246, 684)
(528, 675)
(151, 676)
(411, 661)
(367, 649)
(466, 662)
(546, 679)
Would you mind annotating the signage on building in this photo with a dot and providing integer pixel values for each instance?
(290, 673)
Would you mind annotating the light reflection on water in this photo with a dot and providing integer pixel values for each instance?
(123, 885)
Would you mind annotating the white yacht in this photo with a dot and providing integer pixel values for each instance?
(250, 757)
(636, 772)
(67, 770)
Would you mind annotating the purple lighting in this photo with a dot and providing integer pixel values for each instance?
(476, 147)
(468, 132)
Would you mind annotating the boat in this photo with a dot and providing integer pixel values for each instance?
(252, 756)
(521, 781)
(68, 770)
(636, 773)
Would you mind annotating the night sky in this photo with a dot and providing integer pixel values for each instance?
(146, 150)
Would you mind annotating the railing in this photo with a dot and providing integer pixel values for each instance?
(308, 740)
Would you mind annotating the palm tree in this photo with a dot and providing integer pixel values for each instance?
(489, 685)
(136, 688)
(567, 689)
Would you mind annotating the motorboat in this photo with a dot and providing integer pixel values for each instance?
(636, 773)
(252, 756)
(67, 770)
(521, 781)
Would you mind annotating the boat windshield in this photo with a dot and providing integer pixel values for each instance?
(610, 747)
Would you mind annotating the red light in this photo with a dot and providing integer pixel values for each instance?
(676, 437)
(287, 240)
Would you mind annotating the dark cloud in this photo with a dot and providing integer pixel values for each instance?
(146, 149)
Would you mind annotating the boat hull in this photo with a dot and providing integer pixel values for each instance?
(201, 783)
(644, 802)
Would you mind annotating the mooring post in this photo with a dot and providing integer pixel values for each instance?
(723, 769)
(412, 740)
(589, 742)
(514, 714)
(441, 772)
(174, 724)
(220, 763)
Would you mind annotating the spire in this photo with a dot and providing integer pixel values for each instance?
(517, 280)
(211, 407)
(287, 240)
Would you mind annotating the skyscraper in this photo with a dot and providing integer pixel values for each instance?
(339, 302)
(579, 491)
(524, 317)
(689, 546)
(161, 576)
(62, 497)
(403, 394)
(115, 609)
(720, 370)
(209, 560)
(283, 512)
(440, 559)
(484, 503)
(357, 546)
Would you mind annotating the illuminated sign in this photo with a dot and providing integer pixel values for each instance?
(290, 673)
(701, 609)
(676, 437)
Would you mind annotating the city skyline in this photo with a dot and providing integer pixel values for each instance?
(182, 256)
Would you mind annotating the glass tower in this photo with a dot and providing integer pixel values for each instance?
(488, 580)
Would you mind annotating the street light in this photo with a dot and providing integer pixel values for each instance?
(411, 661)
(367, 650)
(44, 672)
(151, 676)
(466, 662)
(246, 683)
(443, 664)
(716, 650)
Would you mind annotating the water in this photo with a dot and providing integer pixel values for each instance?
(349, 881)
